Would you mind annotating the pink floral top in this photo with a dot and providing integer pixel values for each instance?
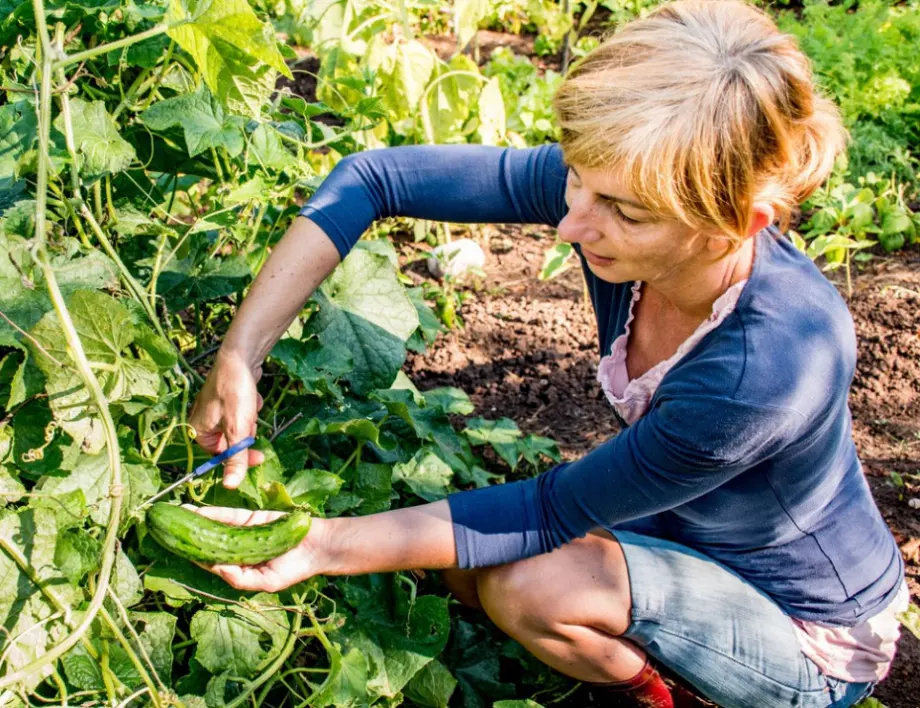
(860, 654)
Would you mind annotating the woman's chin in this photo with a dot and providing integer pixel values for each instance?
(610, 272)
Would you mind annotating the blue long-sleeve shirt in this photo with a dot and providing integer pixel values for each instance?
(745, 453)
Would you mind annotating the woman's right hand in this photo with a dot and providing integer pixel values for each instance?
(225, 412)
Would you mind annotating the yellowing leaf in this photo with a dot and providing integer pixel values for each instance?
(405, 69)
(491, 113)
(235, 51)
(467, 15)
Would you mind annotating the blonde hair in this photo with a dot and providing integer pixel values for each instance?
(706, 107)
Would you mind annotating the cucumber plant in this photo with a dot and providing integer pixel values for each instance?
(147, 166)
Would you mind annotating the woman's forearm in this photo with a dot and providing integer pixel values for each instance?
(299, 262)
(403, 539)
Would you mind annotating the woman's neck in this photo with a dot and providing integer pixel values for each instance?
(694, 289)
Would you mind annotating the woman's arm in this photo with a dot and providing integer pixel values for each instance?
(226, 408)
(680, 450)
(456, 183)
(417, 537)
(461, 183)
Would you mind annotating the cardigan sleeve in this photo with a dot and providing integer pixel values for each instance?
(681, 449)
(456, 183)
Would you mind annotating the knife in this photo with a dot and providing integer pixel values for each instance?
(203, 468)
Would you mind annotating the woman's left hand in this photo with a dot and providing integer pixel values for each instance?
(299, 563)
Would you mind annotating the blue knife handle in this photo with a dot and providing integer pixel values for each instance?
(217, 459)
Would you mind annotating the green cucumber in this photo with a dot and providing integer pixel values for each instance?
(198, 538)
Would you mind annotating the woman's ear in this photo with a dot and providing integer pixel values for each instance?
(763, 215)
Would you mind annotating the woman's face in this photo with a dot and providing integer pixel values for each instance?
(621, 240)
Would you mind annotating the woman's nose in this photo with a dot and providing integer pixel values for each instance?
(575, 227)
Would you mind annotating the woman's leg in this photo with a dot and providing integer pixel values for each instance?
(593, 608)
(568, 608)
(462, 585)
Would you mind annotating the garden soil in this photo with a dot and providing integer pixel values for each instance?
(529, 351)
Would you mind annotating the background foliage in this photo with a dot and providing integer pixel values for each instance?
(149, 160)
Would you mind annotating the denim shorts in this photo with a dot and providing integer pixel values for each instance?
(727, 639)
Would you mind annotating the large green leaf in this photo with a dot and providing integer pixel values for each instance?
(236, 53)
(502, 434)
(317, 362)
(556, 260)
(365, 284)
(100, 147)
(473, 658)
(268, 150)
(230, 637)
(11, 489)
(365, 309)
(25, 613)
(77, 553)
(346, 684)
(106, 331)
(92, 475)
(451, 99)
(432, 687)
(372, 483)
(491, 130)
(203, 120)
(17, 133)
(467, 15)
(426, 474)
(313, 487)
(198, 279)
(156, 630)
(404, 70)
(24, 292)
(910, 619)
(398, 634)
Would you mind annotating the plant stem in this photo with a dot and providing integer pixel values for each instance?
(160, 76)
(123, 641)
(271, 671)
(83, 367)
(199, 326)
(112, 46)
(97, 200)
(218, 168)
(68, 128)
(136, 290)
(13, 552)
(136, 87)
(107, 673)
(123, 613)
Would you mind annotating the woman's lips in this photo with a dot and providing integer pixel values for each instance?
(595, 259)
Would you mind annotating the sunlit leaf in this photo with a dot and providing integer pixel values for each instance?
(236, 53)
(203, 120)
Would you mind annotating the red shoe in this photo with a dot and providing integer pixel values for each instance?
(647, 689)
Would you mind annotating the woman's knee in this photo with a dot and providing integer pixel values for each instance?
(583, 583)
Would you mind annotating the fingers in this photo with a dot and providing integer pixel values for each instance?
(249, 577)
(235, 467)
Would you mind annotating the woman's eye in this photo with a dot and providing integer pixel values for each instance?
(620, 215)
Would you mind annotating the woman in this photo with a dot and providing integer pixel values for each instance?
(728, 531)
